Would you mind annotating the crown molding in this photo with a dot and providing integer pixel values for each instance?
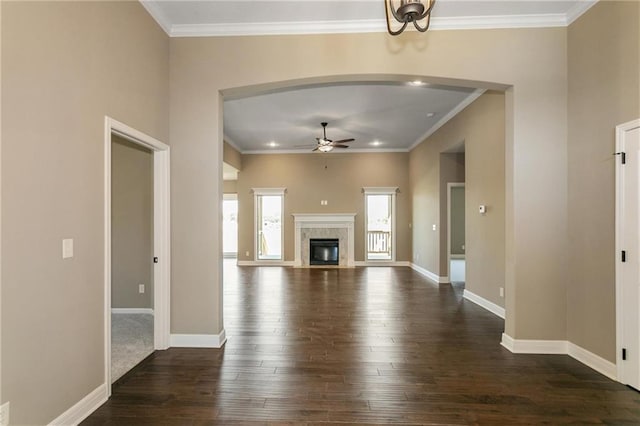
(364, 25)
(277, 28)
(462, 105)
(578, 9)
(153, 8)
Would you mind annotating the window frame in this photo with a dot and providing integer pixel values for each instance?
(385, 190)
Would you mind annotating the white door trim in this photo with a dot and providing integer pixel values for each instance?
(621, 130)
(161, 240)
(451, 185)
(392, 191)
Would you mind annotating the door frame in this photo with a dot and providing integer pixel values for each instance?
(450, 186)
(392, 192)
(161, 233)
(621, 131)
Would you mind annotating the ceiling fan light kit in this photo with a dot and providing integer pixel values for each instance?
(326, 145)
(409, 11)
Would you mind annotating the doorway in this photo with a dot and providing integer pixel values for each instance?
(159, 262)
(627, 249)
(456, 231)
(131, 255)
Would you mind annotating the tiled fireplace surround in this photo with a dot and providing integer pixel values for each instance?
(324, 225)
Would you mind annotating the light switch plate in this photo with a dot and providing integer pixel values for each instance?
(434, 226)
(4, 414)
(141, 288)
(67, 248)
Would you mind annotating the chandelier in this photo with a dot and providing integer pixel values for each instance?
(409, 11)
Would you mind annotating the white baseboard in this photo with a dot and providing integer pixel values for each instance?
(592, 360)
(481, 301)
(433, 277)
(132, 311)
(198, 340)
(561, 347)
(548, 347)
(83, 408)
(265, 263)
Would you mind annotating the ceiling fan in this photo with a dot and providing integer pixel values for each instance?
(326, 145)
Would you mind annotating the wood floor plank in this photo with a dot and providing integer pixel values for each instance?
(363, 346)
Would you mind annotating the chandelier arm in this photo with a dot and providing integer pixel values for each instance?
(427, 11)
(389, 6)
(395, 33)
(426, 27)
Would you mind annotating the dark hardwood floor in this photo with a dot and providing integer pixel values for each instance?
(366, 346)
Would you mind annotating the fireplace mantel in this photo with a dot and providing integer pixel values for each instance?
(324, 221)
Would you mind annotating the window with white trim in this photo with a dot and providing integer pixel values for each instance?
(380, 223)
(269, 220)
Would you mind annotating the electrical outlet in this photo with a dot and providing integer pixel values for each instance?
(4, 414)
(501, 291)
(433, 226)
(140, 288)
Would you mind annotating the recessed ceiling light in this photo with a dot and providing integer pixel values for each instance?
(417, 83)
(376, 143)
(272, 144)
(430, 114)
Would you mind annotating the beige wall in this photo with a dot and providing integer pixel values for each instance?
(131, 224)
(230, 186)
(604, 91)
(451, 169)
(457, 214)
(232, 156)
(337, 178)
(530, 62)
(65, 65)
(481, 127)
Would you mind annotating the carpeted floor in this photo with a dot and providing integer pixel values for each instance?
(131, 341)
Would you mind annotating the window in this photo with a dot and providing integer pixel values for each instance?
(269, 209)
(380, 206)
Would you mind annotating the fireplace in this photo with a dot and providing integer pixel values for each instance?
(337, 226)
(323, 251)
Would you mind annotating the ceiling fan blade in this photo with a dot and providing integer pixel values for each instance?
(340, 146)
(315, 149)
(345, 140)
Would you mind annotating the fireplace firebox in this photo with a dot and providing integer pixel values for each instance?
(323, 251)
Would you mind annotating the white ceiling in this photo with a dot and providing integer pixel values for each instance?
(394, 115)
(260, 17)
(381, 116)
